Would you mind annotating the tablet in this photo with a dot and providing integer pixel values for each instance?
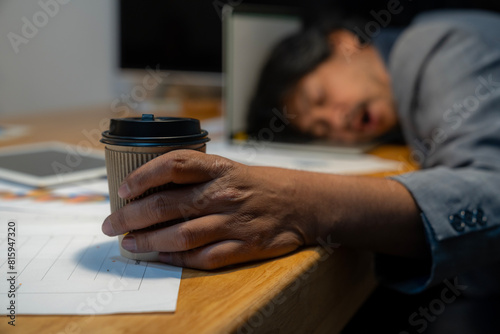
(50, 163)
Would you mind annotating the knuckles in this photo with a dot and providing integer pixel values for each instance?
(221, 165)
(144, 242)
(177, 164)
(148, 241)
(156, 207)
(185, 238)
(211, 261)
(226, 194)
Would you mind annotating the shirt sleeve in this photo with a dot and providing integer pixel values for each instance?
(456, 114)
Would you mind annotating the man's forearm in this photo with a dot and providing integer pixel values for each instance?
(361, 212)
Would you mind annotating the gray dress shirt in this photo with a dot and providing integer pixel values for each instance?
(445, 69)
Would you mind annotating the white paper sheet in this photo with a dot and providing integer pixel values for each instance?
(65, 265)
(332, 163)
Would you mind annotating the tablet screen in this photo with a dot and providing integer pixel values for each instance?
(46, 162)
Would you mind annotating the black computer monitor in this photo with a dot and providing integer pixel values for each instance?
(175, 35)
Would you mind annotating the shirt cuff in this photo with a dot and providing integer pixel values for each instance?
(459, 236)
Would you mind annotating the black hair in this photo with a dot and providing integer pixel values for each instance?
(290, 60)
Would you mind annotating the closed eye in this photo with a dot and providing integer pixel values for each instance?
(320, 99)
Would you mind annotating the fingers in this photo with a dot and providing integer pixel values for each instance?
(209, 257)
(179, 237)
(211, 242)
(156, 208)
(183, 203)
(179, 166)
(221, 254)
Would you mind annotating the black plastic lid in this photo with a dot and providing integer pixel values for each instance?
(150, 131)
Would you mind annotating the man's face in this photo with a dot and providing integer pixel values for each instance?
(346, 99)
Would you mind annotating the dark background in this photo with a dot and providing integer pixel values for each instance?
(187, 35)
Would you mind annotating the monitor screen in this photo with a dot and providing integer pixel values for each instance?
(176, 35)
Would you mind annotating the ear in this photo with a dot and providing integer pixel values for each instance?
(345, 43)
(344, 38)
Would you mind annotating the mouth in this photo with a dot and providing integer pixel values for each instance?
(363, 119)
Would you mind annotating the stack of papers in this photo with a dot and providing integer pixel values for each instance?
(322, 162)
(63, 264)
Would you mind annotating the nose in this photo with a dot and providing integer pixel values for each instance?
(335, 116)
(326, 122)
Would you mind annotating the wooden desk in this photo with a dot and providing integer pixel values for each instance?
(315, 290)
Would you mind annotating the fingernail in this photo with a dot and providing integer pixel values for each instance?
(107, 228)
(129, 244)
(124, 191)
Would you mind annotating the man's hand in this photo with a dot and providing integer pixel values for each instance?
(229, 212)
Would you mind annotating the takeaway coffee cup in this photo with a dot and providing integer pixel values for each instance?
(131, 142)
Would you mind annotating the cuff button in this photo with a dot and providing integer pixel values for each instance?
(457, 223)
(480, 217)
(468, 218)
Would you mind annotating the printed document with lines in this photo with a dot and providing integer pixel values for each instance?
(65, 265)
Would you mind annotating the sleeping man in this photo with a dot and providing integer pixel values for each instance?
(438, 82)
